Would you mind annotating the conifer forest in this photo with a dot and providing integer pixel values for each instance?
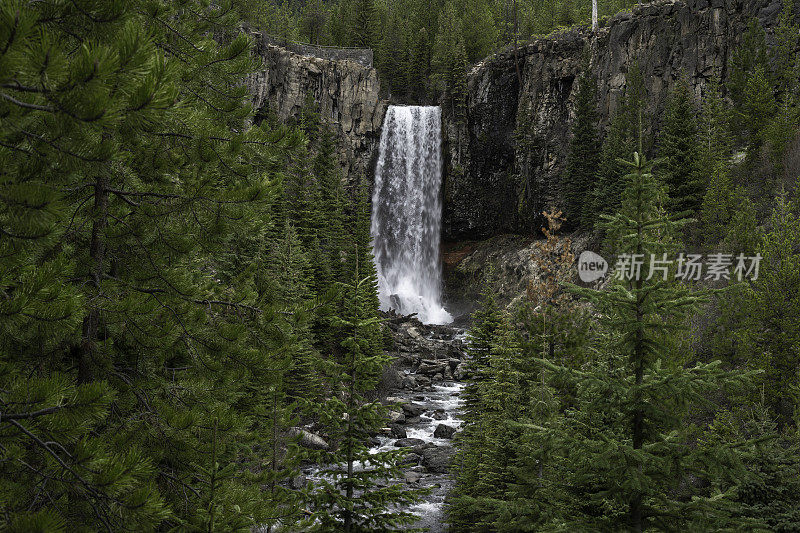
(277, 266)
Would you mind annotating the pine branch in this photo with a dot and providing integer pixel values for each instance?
(27, 105)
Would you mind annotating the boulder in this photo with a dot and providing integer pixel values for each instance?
(411, 458)
(308, 439)
(431, 369)
(423, 381)
(443, 431)
(409, 443)
(409, 383)
(437, 459)
(413, 409)
(412, 477)
(396, 417)
(397, 431)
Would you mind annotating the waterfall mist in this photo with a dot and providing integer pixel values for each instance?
(407, 212)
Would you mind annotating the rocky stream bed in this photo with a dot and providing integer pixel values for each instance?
(424, 389)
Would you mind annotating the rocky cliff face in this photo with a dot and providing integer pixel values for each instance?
(347, 94)
(491, 184)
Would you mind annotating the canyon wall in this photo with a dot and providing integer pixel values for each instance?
(346, 90)
(491, 184)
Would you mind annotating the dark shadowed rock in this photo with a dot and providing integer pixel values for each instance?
(411, 458)
(409, 443)
(437, 459)
(412, 409)
(346, 91)
(398, 432)
(443, 431)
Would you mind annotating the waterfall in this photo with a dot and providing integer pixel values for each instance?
(407, 213)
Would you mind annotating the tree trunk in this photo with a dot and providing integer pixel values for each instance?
(97, 253)
(594, 15)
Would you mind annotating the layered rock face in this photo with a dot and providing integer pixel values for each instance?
(492, 185)
(347, 93)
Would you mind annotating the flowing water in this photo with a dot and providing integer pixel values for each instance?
(407, 213)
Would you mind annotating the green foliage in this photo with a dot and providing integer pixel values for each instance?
(747, 59)
(485, 443)
(624, 445)
(584, 155)
(775, 309)
(168, 273)
(625, 135)
(449, 62)
(767, 496)
(679, 150)
(350, 497)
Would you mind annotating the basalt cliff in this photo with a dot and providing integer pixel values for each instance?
(492, 186)
(345, 88)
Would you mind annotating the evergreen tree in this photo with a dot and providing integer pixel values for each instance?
(348, 496)
(149, 167)
(750, 56)
(714, 137)
(363, 23)
(766, 498)
(680, 152)
(784, 58)
(624, 445)
(756, 111)
(449, 62)
(720, 203)
(625, 135)
(773, 303)
(486, 441)
(584, 154)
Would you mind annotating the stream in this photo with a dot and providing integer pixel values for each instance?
(429, 460)
(425, 398)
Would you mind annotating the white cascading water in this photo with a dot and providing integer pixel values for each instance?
(407, 213)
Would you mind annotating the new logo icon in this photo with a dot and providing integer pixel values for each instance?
(591, 266)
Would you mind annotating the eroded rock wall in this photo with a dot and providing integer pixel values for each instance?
(347, 93)
(491, 184)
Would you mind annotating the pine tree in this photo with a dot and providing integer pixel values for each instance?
(553, 328)
(363, 23)
(774, 308)
(348, 497)
(486, 442)
(714, 136)
(750, 56)
(150, 167)
(757, 110)
(449, 62)
(624, 444)
(679, 150)
(720, 202)
(766, 499)
(626, 135)
(784, 59)
(486, 322)
(584, 154)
